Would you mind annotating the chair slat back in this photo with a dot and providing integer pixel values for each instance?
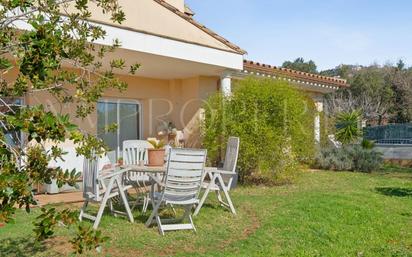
(232, 154)
(90, 179)
(184, 174)
(135, 151)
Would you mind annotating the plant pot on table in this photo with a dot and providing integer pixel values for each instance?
(156, 157)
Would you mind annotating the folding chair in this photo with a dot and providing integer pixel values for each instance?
(181, 188)
(95, 190)
(135, 151)
(221, 180)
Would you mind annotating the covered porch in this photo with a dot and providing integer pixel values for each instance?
(167, 91)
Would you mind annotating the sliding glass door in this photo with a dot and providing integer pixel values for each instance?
(126, 114)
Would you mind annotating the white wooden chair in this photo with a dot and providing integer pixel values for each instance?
(148, 197)
(135, 151)
(181, 188)
(221, 180)
(96, 190)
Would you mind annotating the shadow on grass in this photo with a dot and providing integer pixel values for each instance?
(20, 247)
(395, 191)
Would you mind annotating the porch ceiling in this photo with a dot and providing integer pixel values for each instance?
(163, 58)
(161, 67)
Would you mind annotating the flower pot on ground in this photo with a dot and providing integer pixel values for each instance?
(120, 162)
(157, 153)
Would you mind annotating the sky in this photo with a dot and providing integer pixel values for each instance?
(330, 32)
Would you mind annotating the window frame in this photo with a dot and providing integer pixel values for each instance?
(119, 101)
(22, 104)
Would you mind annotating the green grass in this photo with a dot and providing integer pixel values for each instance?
(322, 214)
(393, 168)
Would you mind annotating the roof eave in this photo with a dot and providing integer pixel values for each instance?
(313, 78)
(188, 18)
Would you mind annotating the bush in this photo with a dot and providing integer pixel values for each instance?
(274, 122)
(348, 127)
(349, 158)
(367, 144)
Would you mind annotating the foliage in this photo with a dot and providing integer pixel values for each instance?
(396, 168)
(87, 239)
(327, 127)
(157, 144)
(349, 158)
(348, 127)
(367, 144)
(274, 122)
(382, 93)
(344, 71)
(45, 223)
(58, 36)
(401, 81)
(299, 64)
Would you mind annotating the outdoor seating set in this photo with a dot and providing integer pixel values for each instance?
(176, 184)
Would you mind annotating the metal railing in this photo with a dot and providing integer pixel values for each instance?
(394, 141)
(394, 134)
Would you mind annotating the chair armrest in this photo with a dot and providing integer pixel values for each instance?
(113, 173)
(224, 172)
(210, 169)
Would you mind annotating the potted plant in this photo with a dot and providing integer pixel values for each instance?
(120, 161)
(157, 153)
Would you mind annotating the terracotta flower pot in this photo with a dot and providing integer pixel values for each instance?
(156, 157)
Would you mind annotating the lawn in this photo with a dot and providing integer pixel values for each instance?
(321, 214)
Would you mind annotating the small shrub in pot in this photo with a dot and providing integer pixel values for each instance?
(156, 154)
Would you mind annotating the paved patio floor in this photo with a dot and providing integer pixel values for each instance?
(69, 197)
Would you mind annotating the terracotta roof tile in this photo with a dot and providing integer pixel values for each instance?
(188, 18)
(251, 66)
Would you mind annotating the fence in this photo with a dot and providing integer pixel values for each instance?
(394, 141)
(394, 134)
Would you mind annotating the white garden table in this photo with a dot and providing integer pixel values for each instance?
(152, 171)
(213, 173)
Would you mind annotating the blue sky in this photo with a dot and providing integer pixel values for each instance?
(330, 32)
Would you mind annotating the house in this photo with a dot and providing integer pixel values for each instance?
(183, 62)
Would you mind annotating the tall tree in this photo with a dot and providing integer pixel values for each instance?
(37, 40)
(401, 82)
(344, 71)
(370, 91)
(300, 65)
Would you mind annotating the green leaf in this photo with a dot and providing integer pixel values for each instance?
(5, 63)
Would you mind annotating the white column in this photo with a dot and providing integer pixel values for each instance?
(319, 109)
(226, 84)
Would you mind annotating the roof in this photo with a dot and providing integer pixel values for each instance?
(189, 18)
(255, 67)
(189, 11)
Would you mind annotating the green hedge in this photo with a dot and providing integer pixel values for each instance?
(274, 122)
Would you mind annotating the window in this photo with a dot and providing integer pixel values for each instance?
(127, 116)
(12, 137)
